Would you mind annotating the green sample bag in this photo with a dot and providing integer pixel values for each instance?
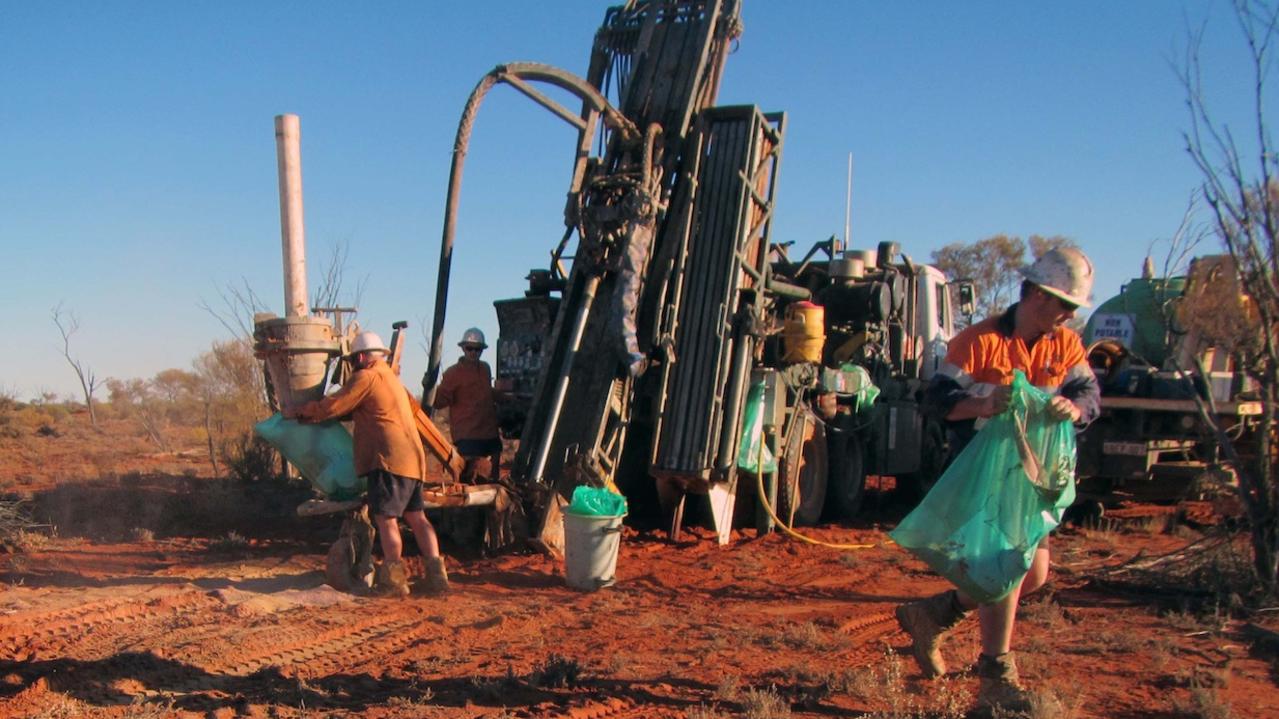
(980, 524)
(322, 452)
(596, 502)
(753, 456)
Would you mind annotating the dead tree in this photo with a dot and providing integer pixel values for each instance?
(1241, 190)
(67, 325)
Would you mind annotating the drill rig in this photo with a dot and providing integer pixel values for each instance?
(633, 367)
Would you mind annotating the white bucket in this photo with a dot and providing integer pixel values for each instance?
(590, 550)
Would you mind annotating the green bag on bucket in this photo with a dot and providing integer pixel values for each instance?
(980, 524)
(322, 452)
(597, 502)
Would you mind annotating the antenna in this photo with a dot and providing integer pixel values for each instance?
(848, 206)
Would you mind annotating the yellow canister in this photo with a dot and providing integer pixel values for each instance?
(804, 333)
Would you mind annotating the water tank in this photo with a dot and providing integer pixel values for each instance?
(1136, 318)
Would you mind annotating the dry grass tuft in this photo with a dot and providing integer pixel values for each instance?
(765, 704)
(556, 672)
(729, 688)
(1204, 703)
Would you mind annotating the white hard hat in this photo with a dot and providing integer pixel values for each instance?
(368, 342)
(472, 336)
(1063, 272)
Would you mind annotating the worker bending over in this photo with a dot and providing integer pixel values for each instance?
(390, 456)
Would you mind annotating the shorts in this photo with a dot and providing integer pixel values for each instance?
(478, 447)
(391, 495)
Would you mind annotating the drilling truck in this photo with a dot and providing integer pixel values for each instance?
(668, 313)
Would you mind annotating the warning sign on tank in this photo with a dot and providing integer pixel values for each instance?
(1113, 327)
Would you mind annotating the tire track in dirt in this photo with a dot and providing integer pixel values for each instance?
(868, 635)
(306, 651)
(610, 708)
(277, 651)
(99, 628)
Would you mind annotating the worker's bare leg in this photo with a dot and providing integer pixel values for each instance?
(388, 532)
(996, 667)
(997, 619)
(391, 577)
(423, 532)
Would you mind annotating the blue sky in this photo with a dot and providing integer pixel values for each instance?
(138, 171)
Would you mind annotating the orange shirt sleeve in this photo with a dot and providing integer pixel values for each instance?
(340, 403)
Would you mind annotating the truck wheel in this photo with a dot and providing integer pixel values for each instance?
(932, 462)
(801, 471)
(847, 479)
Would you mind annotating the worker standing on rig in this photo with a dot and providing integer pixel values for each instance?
(974, 383)
(466, 390)
(389, 454)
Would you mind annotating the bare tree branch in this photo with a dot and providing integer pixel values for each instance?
(1245, 212)
(68, 324)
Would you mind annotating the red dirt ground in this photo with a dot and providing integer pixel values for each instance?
(169, 594)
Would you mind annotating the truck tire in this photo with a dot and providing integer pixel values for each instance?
(846, 484)
(801, 471)
(932, 462)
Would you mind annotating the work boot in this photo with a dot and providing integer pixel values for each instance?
(1001, 688)
(392, 580)
(928, 621)
(436, 581)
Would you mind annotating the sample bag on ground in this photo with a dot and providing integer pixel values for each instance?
(596, 502)
(980, 524)
(322, 452)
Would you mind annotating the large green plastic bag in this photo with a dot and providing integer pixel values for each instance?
(322, 452)
(981, 523)
(753, 455)
(596, 502)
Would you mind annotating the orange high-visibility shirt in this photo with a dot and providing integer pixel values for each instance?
(985, 355)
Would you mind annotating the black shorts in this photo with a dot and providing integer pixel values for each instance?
(478, 447)
(391, 495)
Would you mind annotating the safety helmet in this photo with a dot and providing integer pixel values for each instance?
(473, 336)
(1063, 272)
(368, 342)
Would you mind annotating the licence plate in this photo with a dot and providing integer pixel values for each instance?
(1128, 449)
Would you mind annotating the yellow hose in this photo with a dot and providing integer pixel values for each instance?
(763, 498)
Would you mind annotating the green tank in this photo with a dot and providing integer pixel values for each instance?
(1136, 317)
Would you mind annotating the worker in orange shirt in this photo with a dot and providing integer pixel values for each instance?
(975, 383)
(466, 390)
(389, 454)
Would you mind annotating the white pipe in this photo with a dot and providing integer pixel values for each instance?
(848, 207)
(288, 151)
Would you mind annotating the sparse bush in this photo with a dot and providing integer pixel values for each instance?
(1204, 702)
(729, 688)
(249, 459)
(15, 524)
(556, 672)
(765, 704)
(803, 636)
(702, 711)
(231, 542)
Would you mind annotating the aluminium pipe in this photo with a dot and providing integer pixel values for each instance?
(561, 380)
(288, 152)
